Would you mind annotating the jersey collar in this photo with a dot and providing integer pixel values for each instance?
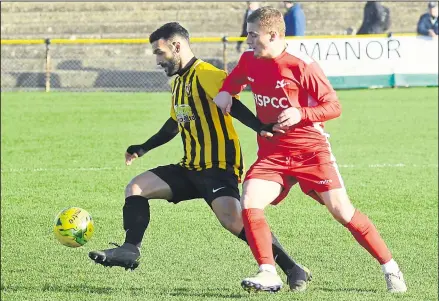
(187, 67)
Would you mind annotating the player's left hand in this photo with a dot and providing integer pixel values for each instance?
(288, 118)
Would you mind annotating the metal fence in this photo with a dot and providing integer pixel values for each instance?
(97, 64)
(104, 64)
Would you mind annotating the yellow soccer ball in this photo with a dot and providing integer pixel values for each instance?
(73, 227)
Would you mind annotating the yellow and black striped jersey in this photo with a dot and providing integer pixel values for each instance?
(209, 137)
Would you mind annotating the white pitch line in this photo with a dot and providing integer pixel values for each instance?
(61, 169)
(386, 165)
(378, 165)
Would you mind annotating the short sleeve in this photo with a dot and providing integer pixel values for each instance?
(212, 81)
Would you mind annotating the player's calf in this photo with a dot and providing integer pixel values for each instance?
(365, 233)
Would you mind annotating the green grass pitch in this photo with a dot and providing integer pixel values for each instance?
(67, 149)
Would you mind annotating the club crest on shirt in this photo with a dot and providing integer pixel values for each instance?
(184, 113)
(281, 84)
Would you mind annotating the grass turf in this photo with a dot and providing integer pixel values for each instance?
(66, 149)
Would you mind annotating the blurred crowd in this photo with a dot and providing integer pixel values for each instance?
(376, 20)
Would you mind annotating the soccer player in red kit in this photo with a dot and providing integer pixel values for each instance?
(291, 91)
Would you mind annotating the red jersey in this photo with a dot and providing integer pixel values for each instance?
(292, 79)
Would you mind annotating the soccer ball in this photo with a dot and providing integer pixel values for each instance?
(73, 227)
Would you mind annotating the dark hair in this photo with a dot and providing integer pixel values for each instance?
(168, 31)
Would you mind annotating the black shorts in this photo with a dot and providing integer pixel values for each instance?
(206, 184)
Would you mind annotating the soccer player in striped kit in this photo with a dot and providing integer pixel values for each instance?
(212, 164)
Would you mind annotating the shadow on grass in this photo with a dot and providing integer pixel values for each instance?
(215, 292)
(137, 291)
(85, 288)
(346, 290)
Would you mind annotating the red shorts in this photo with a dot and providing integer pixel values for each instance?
(315, 172)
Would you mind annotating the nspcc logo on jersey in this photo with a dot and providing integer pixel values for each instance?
(184, 113)
(264, 101)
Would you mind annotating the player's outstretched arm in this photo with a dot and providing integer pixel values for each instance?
(168, 131)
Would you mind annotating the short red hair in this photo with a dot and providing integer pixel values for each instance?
(268, 18)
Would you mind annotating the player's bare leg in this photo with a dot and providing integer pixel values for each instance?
(363, 230)
(228, 211)
(257, 194)
(136, 219)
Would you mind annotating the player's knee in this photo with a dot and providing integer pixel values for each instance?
(341, 210)
(251, 203)
(133, 189)
(246, 202)
(232, 222)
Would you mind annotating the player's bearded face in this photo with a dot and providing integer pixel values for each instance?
(171, 64)
(258, 40)
(167, 57)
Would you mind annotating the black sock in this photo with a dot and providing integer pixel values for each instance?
(281, 257)
(135, 218)
(285, 262)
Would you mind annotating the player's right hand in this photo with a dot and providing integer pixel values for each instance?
(268, 130)
(288, 117)
(133, 152)
(129, 158)
(266, 134)
(224, 101)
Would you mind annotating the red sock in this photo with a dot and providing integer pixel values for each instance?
(258, 235)
(368, 237)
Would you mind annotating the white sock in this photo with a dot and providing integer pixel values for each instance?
(390, 267)
(268, 267)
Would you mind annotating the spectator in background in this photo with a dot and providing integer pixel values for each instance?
(376, 18)
(427, 24)
(350, 31)
(251, 7)
(295, 22)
